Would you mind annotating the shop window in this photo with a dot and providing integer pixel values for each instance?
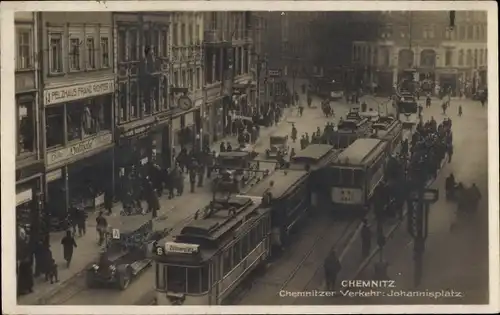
(74, 54)
(198, 78)
(134, 102)
(90, 53)
(25, 127)
(24, 48)
(54, 126)
(183, 34)
(133, 45)
(122, 46)
(74, 117)
(123, 92)
(165, 94)
(155, 42)
(104, 52)
(55, 53)
(164, 43)
(175, 35)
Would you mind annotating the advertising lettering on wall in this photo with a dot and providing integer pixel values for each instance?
(79, 148)
(73, 93)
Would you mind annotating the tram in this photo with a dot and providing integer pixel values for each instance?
(350, 129)
(212, 254)
(390, 130)
(407, 109)
(356, 173)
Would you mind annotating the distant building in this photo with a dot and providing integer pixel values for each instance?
(423, 41)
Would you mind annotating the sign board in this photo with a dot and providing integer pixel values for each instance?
(76, 92)
(78, 149)
(24, 196)
(430, 195)
(54, 175)
(274, 72)
(116, 234)
(181, 248)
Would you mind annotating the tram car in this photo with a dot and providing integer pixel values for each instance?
(210, 256)
(349, 129)
(234, 170)
(288, 200)
(314, 158)
(125, 253)
(356, 173)
(389, 130)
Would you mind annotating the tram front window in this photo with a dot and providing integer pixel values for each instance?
(191, 280)
(347, 177)
(408, 107)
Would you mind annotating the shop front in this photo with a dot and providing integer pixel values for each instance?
(148, 142)
(78, 176)
(184, 128)
(448, 78)
(29, 208)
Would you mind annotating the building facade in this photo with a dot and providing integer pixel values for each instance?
(29, 148)
(188, 124)
(443, 56)
(78, 85)
(143, 102)
(230, 85)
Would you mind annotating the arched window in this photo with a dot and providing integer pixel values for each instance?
(461, 57)
(448, 57)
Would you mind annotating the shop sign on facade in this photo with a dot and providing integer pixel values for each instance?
(78, 149)
(54, 175)
(73, 93)
(24, 196)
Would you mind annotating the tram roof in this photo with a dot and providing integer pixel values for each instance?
(361, 152)
(314, 151)
(282, 180)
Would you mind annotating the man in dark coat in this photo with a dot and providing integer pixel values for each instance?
(192, 178)
(101, 226)
(68, 243)
(331, 267)
(366, 237)
(25, 277)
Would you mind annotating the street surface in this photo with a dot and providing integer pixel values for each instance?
(178, 212)
(455, 260)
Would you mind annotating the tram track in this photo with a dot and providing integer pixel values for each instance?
(314, 242)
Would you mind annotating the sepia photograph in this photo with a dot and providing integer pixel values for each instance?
(203, 156)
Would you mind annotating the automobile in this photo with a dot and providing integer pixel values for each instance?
(126, 252)
(479, 94)
(278, 144)
(234, 170)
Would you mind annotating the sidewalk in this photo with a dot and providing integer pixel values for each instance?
(172, 212)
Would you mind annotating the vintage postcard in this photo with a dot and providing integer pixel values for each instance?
(253, 157)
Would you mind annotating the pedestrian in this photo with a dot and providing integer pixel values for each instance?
(201, 172)
(229, 148)
(52, 271)
(25, 277)
(211, 163)
(331, 267)
(81, 219)
(459, 110)
(450, 152)
(108, 201)
(366, 238)
(292, 153)
(47, 259)
(301, 110)
(294, 133)
(68, 243)
(101, 226)
(180, 183)
(192, 178)
(39, 263)
(303, 142)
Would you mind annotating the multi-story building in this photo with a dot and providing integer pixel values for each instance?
(229, 81)
(143, 98)
(187, 78)
(425, 42)
(29, 151)
(78, 85)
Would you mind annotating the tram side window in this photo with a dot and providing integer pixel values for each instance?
(226, 261)
(346, 177)
(236, 253)
(358, 178)
(245, 242)
(335, 176)
(204, 278)
(254, 239)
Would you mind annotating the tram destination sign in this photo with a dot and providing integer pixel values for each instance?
(181, 248)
